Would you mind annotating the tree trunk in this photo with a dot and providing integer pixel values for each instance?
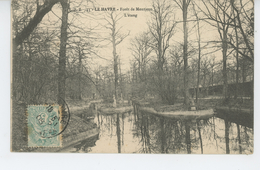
(115, 71)
(185, 53)
(244, 75)
(121, 81)
(237, 61)
(115, 57)
(224, 52)
(79, 75)
(62, 53)
(199, 55)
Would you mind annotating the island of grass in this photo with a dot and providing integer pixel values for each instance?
(205, 107)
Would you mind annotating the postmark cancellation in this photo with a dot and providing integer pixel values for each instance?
(44, 125)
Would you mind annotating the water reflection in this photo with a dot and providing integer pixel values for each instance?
(239, 139)
(187, 136)
(118, 133)
(227, 136)
(145, 133)
(165, 135)
(200, 138)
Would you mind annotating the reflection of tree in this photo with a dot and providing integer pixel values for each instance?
(118, 133)
(107, 124)
(247, 140)
(113, 127)
(227, 136)
(145, 136)
(141, 130)
(166, 135)
(174, 135)
(162, 135)
(208, 131)
(235, 139)
(238, 138)
(212, 133)
(200, 138)
(177, 137)
(123, 117)
(187, 136)
(159, 134)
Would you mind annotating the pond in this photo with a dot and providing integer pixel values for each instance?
(146, 133)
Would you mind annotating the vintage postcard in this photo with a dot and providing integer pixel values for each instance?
(133, 76)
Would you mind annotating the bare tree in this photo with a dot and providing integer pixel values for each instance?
(162, 28)
(220, 16)
(199, 49)
(41, 11)
(30, 23)
(244, 31)
(234, 14)
(245, 24)
(116, 38)
(236, 55)
(62, 52)
(141, 50)
(183, 4)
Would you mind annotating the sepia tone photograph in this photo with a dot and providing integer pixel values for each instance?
(121, 76)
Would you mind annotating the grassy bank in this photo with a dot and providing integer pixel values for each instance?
(202, 104)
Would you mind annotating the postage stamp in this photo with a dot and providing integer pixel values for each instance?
(44, 126)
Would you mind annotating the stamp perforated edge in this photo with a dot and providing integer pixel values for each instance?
(60, 127)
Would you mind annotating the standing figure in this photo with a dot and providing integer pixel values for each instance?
(114, 103)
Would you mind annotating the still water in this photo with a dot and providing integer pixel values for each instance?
(147, 133)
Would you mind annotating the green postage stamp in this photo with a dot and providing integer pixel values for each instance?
(44, 126)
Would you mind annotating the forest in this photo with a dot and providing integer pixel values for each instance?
(185, 47)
